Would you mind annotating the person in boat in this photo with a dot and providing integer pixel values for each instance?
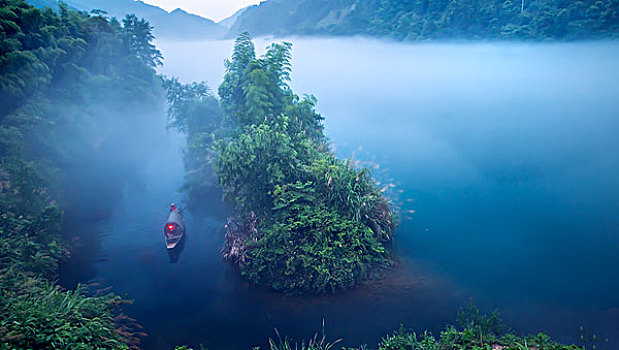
(170, 227)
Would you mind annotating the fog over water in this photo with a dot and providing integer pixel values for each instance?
(506, 152)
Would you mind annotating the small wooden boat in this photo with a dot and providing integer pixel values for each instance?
(174, 228)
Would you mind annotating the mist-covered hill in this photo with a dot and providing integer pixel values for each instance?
(229, 21)
(175, 24)
(434, 19)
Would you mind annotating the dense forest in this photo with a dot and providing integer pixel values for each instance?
(440, 19)
(70, 83)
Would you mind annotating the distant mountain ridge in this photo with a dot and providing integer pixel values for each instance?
(434, 19)
(229, 21)
(305, 17)
(396, 19)
(175, 24)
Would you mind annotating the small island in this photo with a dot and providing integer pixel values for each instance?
(306, 221)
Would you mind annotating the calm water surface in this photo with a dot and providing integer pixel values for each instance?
(506, 153)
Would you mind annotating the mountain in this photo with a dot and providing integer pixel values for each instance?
(179, 23)
(434, 19)
(229, 21)
(175, 24)
(281, 17)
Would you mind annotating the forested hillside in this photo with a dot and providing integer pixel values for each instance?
(73, 88)
(435, 19)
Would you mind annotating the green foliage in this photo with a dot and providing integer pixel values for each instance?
(34, 244)
(312, 223)
(404, 339)
(251, 165)
(451, 338)
(313, 344)
(476, 332)
(255, 89)
(138, 39)
(322, 223)
(479, 325)
(496, 19)
(306, 247)
(288, 344)
(58, 74)
(353, 192)
(22, 188)
(63, 76)
(231, 89)
(35, 314)
(183, 102)
(193, 111)
(480, 331)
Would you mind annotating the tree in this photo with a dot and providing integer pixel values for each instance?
(231, 89)
(181, 98)
(138, 38)
(252, 164)
(305, 222)
(65, 77)
(321, 222)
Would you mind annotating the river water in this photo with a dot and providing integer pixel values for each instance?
(505, 165)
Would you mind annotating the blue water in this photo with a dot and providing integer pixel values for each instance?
(506, 153)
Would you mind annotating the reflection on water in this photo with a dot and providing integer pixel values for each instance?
(175, 253)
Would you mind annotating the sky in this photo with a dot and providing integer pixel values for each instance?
(212, 9)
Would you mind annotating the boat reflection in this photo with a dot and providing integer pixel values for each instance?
(175, 253)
